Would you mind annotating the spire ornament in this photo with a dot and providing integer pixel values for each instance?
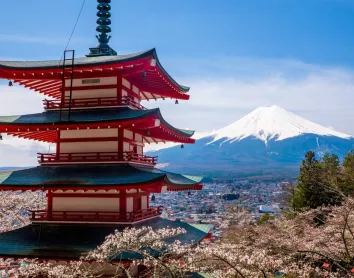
(103, 28)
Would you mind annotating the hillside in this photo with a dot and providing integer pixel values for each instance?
(267, 141)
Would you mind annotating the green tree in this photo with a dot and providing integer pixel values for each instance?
(314, 187)
(331, 170)
(347, 182)
(289, 198)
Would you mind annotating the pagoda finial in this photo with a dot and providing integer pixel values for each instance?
(103, 20)
(103, 29)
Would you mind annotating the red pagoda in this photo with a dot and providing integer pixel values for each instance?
(98, 180)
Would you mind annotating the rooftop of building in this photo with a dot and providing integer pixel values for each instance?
(70, 242)
(89, 177)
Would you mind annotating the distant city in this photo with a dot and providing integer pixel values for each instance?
(208, 206)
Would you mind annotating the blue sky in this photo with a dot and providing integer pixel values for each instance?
(314, 31)
(236, 55)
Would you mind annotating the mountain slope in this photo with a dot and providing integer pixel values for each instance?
(266, 123)
(268, 141)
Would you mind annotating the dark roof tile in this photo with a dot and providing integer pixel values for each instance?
(73, 241)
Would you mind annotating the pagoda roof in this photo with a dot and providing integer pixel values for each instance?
(30, 125)
(95, 177)
(131, 65)
(70, 242)
(79, 62)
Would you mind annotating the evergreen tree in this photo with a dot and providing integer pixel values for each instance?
(347, 182)
(331, 170)
(289, 199)
(316, 186)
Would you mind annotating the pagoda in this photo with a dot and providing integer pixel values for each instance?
(98, 179)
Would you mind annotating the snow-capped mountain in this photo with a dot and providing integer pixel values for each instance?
(267, 123)
(267, 141)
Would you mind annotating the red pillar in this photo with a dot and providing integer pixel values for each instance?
(123, 203)
(119, 88)
(49, 203)
(58, 145)
(120, 143)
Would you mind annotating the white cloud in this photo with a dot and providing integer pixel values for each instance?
(222, 91)
(21, 152)
(18, 100)
(14, 151)
(233, 88)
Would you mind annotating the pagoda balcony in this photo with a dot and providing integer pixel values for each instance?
(94, 216)
(93, 157)
(83, 103)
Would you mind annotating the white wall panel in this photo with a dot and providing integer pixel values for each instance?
(126, 147)
(135, 89)
(128, 134)
(89, 192)
(96, 93)
(126, 83)
(89, 133)
(83, 147)
(92, 81)
(130, 204)
(138, 138)
(144, 202)
(86, 204)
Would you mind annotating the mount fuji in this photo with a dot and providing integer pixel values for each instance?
(269, 141)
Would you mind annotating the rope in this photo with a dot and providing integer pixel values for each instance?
(73, 31)
(77, 21)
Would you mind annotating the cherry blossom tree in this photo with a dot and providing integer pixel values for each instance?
(14, 207)
(315, 243)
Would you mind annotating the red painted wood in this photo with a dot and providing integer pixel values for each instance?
(95, 216)
(93, 102)
(119, 87)
(49, 203)
(136, 203)
(43, 86)
(147, 122)
(89, 88)
(138, 128)
(98, 195)
(153, 187)
(155, 82)
(62, 158)
(130, 90)
(58, 144)
(123, 202)
(121, 142)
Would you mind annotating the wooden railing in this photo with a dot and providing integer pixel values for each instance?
(92, 157)
(94, 216)
(93, 102)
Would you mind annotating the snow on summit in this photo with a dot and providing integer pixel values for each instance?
(266, 123)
